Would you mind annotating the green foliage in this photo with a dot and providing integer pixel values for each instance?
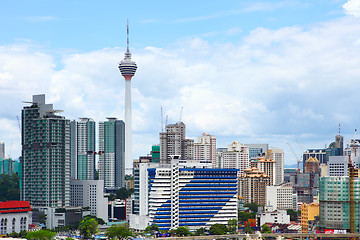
(123, 193)
(118, 231)
(218, 229)
(293, 214)
(69, 238)
(9, 187)
(265, 229)
(88, 227)
(199, 232)
(22, 233)
(151, 228)
(232, 225)
(129, 177)
(99, 220)
(253, 206)
(14, 235)
(247, 228)
(244, 216)
(40, 235)
(183, 231)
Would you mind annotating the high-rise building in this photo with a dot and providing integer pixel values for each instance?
(265, 165)
(339, 143)
(189, 193)
(308, 214)
(252, 186)
(257, 150)
(281, 196)
(89, 193)
(236, 157)
(45, 155)
(278, 155)
(173, 142)
(83, 149)
(128, 69)
(205, 148)
(305, 185)
(2, 149)
(111, 153)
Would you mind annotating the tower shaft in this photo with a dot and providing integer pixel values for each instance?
(128, 129)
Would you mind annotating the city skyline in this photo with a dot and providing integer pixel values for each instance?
(265, 72)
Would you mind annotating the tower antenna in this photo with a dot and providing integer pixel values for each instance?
(339, 128)
(127, 36)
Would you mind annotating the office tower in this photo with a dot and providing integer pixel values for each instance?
(127, 69)
(83, 149)
(278, 155)
(305, 185)
(2, 149)
(111, 153)
(353, 146)
(312, 165)
(257, 150)
(252, 186)
(334, 203)
(89, 193)
(339, 143)
(189, 193)
(236, 157)
(45, 155)
(320, 155)
(205, 148)
(265, 165)
(281, 196)
(155, 153)
(173, 142)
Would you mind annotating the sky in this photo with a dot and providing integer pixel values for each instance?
(273, 72)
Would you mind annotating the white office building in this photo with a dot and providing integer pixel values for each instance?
(205, 148)
(278, 155)
(281, 196)
(89, 193)
(277, 216)
(236, 157)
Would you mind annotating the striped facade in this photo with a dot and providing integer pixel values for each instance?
(181, 195)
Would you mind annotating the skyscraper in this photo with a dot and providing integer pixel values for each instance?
(2, 149)
(205, 148)
(83, 149)
(278, 155)
(128, 69)
(173, 142)
(45, 155)
(236, 157)
(111, 153)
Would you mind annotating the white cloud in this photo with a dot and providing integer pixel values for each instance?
(352, 7)
(275, 86)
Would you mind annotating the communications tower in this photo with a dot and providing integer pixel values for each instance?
(128, 69)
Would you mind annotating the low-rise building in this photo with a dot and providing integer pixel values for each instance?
(15, 216)
(281, 196)
(277, 216)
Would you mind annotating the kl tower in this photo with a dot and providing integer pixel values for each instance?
(127, 69)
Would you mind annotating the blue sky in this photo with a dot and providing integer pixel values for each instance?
(255, 72)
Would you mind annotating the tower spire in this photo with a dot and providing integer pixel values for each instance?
(128, 36)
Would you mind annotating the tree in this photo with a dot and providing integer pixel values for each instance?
(248, 228)
(265, 229)
(199, 232)
(40, 235)
(123, 193)
(293, 214)
(245, 216)
(88, 228)
(118, 231)
(232, 225)
(152, 228)
(218, 229)
(99, 220)
(182, 232)
(9, 187)
(253, 206)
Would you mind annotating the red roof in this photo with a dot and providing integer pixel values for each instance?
(14, 206)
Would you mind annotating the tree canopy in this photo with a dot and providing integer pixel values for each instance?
(232, 225)
(247, 228)
(199, 232)
(151, 228)
(293, 214)
(182, 231)
(218, 229)
(244, 216)
(253, 206)
(118, 231)
(9, 187)
(88, 227)
(40, 235)
(265, 229)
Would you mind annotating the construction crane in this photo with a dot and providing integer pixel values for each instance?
(297, 159)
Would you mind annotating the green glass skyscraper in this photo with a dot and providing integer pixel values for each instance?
(83, 149)
(111, 153)
(45, 155)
